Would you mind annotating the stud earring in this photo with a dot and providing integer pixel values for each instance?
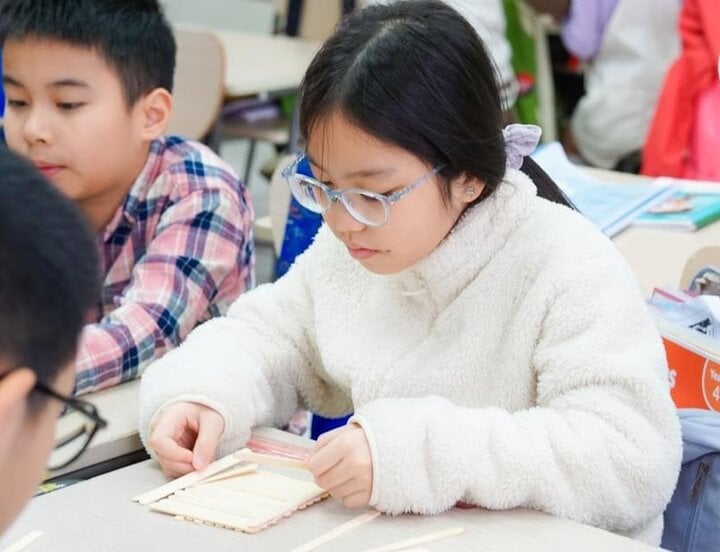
(470, 191)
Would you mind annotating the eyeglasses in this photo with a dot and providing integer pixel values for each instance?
(75, 428)
(368, 208)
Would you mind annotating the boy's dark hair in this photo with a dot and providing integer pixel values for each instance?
(133, 36)
(415, 74)
(48, 271)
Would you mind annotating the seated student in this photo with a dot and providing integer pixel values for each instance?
(494, 345)
(88, 85)
(48, 281)
(629, 45)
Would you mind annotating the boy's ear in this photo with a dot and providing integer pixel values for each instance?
(156, 111)
(14, 390)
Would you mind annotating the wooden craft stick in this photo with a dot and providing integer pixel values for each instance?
(24, 542)
(227, 474)
(339, 530)
(270, 460)
(424, 539)
(187, 480)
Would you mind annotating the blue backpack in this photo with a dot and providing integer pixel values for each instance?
(692, 519)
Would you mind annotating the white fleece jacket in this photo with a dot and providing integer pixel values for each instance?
(515, 366)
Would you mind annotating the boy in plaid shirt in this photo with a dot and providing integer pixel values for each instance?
(89, 87)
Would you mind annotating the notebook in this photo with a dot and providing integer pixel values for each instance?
(693, 211)
(612, 206)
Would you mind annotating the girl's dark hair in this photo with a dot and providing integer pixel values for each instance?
(415, 74)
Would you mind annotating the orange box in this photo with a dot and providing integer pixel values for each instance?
(694, 375)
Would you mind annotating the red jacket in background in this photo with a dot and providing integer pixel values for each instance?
(669, 144)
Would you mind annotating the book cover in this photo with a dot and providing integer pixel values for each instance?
(686, 211)
(693, 367)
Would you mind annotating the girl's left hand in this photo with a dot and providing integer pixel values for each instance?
(342, 465)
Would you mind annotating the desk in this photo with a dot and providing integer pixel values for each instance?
(658, 255)
(261, 64)
(99, 515)
(120, 407)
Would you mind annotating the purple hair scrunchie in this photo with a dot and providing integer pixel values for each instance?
(520, 141)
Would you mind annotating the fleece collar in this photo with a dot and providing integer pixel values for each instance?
(480, 233)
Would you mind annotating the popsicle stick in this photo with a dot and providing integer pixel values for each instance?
(335, 533)
(24, 542)
(424, 539)
(270, 460)
(187, 480)
(227, 474)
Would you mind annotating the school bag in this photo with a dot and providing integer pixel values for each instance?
(692, 519)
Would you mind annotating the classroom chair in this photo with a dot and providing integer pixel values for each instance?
(270, 228)
(706, 256)
(306, 19)
(199, 84)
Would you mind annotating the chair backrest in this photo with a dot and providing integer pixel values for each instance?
(706, 256)
(279, 204)
(251, 16)
(318, 18)
(199, 83)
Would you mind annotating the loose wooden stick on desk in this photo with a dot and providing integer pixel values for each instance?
(330, 535)
(424, 539)
(24, 542)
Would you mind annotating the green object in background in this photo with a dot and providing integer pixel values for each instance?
(287, 105)
(523, 62)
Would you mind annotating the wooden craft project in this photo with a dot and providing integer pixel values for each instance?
(236, 494)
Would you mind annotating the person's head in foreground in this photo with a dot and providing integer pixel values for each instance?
(48, 281)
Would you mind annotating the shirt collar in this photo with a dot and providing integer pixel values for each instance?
(127, 211)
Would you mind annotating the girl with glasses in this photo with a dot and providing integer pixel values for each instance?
(492, 343)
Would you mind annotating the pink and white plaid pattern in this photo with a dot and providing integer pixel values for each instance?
(178, 251)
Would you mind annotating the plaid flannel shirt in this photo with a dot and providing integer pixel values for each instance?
(178, 251)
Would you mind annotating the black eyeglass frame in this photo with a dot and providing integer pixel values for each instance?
(85, 408)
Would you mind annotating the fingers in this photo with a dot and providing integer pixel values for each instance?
(334, 477)
(175, 469)
(185, 437)
(353, 493)
(167, 448)
(324, 459)
(357, 500)
(210, 428)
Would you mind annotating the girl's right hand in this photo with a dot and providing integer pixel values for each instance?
(185, 436)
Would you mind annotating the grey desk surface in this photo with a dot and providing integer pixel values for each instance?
(98, 515)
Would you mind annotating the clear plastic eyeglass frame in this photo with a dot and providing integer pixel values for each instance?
(376, 207)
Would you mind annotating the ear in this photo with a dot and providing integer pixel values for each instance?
(155, 111)
(15, 388)
(466, 189)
